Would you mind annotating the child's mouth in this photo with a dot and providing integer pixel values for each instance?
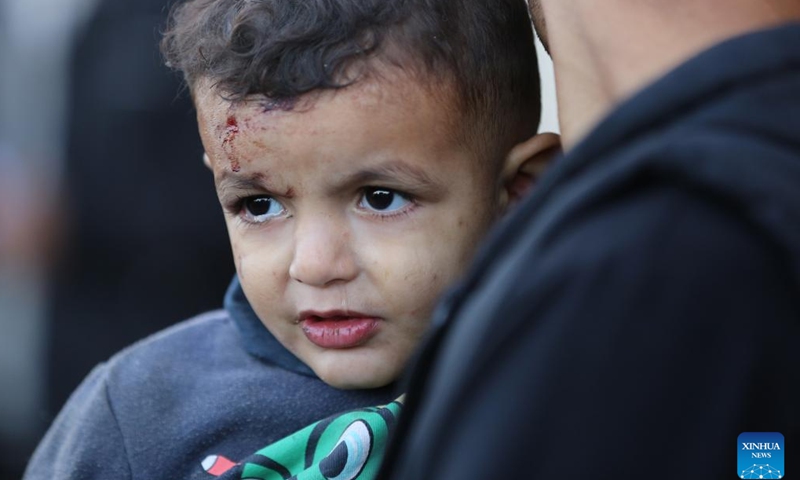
(338, 330)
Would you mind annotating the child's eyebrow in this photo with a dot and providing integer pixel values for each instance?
(392, 172)
(229, 180)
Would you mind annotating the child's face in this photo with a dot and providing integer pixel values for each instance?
(347, 216)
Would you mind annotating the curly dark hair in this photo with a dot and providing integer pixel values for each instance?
(482, 50)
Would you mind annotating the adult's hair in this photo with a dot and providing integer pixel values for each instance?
(481, 51)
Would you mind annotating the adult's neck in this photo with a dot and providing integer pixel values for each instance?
(606, 51)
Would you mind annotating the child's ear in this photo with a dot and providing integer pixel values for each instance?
(525, 163)
(207, 161)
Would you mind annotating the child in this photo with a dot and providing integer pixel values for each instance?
(360, 150)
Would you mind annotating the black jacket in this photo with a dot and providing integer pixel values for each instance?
(642, 308)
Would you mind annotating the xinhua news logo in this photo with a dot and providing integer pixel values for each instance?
(761, 455)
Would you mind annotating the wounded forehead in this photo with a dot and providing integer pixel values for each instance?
(403, 91)
(414, 92)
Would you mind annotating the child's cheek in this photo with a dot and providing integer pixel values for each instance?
(238, 257)
(240, 267)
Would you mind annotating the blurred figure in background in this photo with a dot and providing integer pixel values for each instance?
(24, 229)
(92, 133)
(143, 251)
(33, 48)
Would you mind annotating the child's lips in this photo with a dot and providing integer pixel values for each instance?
(338, 330)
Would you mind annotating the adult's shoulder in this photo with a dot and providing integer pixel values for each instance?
(645, 253)
(662, 231)
(648, 308)
(707, 176)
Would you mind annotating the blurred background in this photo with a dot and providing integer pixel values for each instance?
(109, 225)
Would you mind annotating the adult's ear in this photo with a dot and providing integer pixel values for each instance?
(207, 161)
(525, 163)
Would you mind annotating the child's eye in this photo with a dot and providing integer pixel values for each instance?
(259, 209)
(383, 200)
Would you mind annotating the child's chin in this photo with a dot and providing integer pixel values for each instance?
(353, 381)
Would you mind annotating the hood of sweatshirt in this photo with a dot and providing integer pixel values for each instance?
(258, 341)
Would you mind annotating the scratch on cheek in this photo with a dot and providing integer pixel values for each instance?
(231, 131)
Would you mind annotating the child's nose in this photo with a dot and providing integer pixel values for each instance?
(322, 252)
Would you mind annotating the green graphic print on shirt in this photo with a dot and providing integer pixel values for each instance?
(341, 447)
